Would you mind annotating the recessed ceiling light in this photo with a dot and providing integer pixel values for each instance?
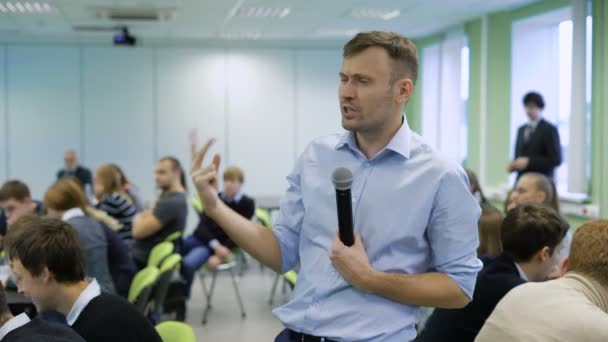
(262, 12)
(26, 7)
(337, 32)
(371, 13)
(241, 35)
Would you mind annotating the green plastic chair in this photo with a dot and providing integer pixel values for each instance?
(171, 331)
(159, 253)
(142, 286)
(228, 265)
(197, 204)
(291, 277)
(263, 216)
(169, 266)
(173, 237)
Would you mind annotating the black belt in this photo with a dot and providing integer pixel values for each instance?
(299, 337)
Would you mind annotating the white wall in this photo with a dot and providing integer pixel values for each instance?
(132, 106)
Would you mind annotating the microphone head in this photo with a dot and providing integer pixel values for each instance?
(342, 178)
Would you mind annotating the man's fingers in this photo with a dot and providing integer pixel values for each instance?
(216, 161)
(200, 156)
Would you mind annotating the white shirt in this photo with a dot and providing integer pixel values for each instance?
(522, 274)
(13, 324)
(90, 292)
(534, 123)
(74, 212)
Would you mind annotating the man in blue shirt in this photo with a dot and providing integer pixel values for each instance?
(415, 219)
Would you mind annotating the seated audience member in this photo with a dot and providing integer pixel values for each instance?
(531, 236)
(571, 308)
(476, 189)
(209, 244)
(537, 188)
(66, 200)
(21, 329)
(16, 201)
(490, 245)
(47, 260)
(129, 188)
(113, 200)
(73, 169)
(167, 216)
(2, 222)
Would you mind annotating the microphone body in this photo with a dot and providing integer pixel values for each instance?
(343, 179)
(345, 217)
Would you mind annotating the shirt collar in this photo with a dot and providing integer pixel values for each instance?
(74, 212)
(534, 123)
(13, 324)
(399, 143)
(90, 292)
(236, 198)
(522, 274)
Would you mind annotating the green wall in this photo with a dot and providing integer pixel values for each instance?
(498, 71)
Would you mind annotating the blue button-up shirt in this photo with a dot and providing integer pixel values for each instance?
(414, 212)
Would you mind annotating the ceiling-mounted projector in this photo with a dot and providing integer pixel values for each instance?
(125, 38)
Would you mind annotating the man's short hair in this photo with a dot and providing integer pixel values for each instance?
(234, 174)
(400, 49)
(535, 99)
(14, 189)
(44, 242)
(589, 251)
(530, 227)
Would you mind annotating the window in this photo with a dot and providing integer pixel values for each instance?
(445, 91)
(544, 59)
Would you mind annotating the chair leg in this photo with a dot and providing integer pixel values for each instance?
(274, 289)
(238, 294)
(209, 294)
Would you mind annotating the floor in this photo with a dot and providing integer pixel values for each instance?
(224, 321)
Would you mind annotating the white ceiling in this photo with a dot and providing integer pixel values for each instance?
(202, 21)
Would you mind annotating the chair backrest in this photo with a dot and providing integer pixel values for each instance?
(173, 237)
(197, 204)
(169, 266)
(141, 287)
(172, 262)
(160, 252)
(263, 216)
(170, 331)
(291, 277)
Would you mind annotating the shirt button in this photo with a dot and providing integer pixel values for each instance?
(354, 199)
(368, 164)
(315, 305)
(333, 274)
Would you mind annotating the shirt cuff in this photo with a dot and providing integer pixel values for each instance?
(214, 243)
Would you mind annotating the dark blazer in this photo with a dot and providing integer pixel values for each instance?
(543, 148)
(38, 330)
(109, 318)
(81, 173)
(208, 230)
(494, 281)
(121, 264)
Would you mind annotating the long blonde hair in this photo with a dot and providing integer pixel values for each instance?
(66, 194)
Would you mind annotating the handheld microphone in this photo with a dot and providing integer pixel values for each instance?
(343, 179)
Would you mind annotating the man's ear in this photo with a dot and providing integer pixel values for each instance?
(47, 276)
(563, 266)
(405, 88)
(543, 254)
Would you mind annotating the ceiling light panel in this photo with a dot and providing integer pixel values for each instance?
(375, 13)
(262, 12)
(26, 7)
